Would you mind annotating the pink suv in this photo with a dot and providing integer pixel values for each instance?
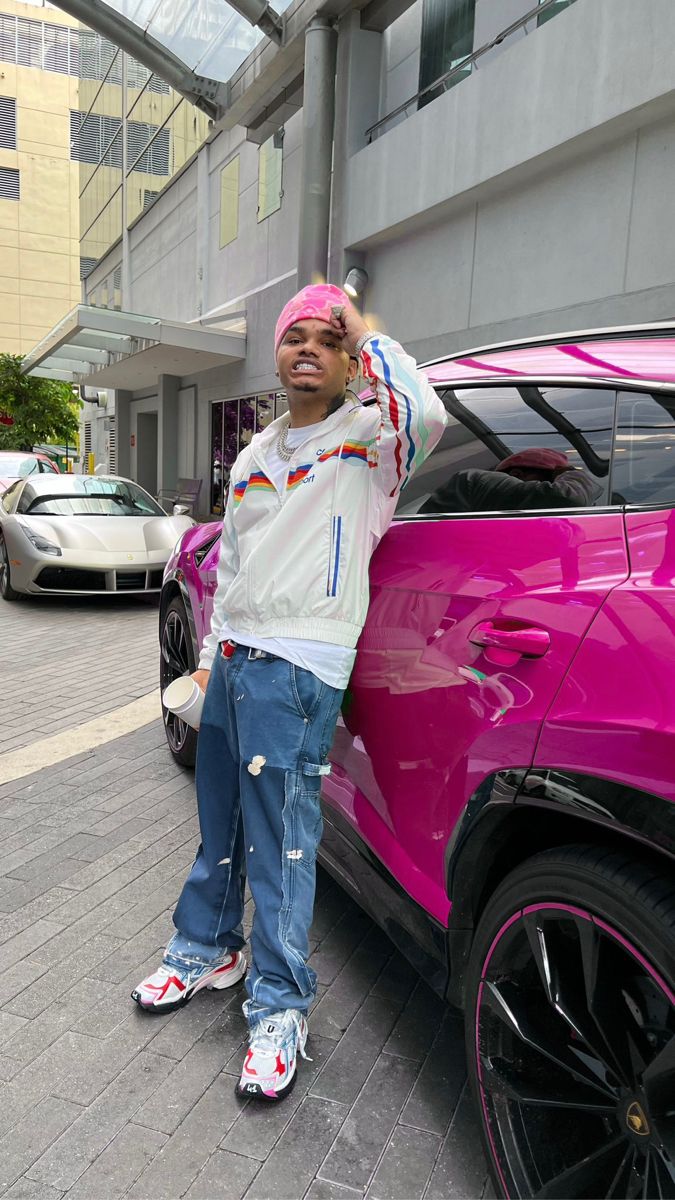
(503, 784)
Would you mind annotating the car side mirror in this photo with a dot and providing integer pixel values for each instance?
(181, 510)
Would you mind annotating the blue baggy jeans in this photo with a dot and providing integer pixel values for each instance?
(266, 729)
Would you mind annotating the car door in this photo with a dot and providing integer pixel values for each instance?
(474, 620)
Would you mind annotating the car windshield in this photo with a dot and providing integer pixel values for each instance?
(17, 465)
(88, 496)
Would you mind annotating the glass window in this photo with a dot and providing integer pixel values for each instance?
(644, 455)
(87, 496)
(233, 423)
(562, 436)
(229, 202)
(270, 160)
(447, 39)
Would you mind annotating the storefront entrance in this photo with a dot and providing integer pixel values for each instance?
(233, 423)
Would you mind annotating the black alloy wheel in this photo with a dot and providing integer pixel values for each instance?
(176, 659)
(6, 590)
(571, 1028)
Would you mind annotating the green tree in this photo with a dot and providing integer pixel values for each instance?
(42, 410)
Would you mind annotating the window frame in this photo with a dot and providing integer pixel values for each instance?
(649, 389)
(268, 153)
(539, 382)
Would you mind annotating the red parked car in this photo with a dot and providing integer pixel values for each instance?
(17, 464)
(502, 799)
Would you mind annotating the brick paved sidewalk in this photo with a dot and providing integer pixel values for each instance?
(99, 1101)
(66, 659)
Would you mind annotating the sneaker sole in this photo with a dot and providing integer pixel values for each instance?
(157, 1010)
(262, 1097)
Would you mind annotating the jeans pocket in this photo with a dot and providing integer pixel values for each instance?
(307, 691)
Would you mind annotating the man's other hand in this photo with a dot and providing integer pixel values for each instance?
(201, 678)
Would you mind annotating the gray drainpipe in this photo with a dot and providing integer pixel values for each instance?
(318, 121)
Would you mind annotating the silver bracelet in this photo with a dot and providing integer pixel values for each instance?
(365, 337)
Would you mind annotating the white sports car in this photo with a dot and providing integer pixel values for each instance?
(83, 534)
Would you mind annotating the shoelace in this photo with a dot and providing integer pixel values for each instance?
(261, 1040)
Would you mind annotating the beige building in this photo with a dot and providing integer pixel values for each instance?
(88, 139)
(39, 184)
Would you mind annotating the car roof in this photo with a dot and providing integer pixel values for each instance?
(629, 355)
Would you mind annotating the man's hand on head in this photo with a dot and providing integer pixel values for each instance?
(351, 325)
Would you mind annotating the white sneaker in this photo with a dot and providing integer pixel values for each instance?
(171, 986)
(269, 1070)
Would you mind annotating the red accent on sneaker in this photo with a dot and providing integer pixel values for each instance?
(161, 991)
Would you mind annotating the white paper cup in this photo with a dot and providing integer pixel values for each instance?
(185, 699)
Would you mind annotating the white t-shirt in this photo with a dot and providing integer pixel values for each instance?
(330, 663)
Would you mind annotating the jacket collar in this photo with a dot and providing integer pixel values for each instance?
(261, 442)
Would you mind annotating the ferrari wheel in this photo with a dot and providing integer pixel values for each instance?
(6, 590)
(176, 659)
(571, 1028)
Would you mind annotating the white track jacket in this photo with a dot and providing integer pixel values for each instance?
(295, 564)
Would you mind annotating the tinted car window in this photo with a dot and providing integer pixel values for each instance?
(644, 457)
(71, 495)
(488, 425)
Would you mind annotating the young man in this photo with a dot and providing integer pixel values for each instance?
(309, 500)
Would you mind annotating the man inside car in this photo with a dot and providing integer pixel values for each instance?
(537, 478)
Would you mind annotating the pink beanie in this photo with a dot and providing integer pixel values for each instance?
(312, 303)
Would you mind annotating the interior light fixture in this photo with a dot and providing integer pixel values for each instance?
(356, 282)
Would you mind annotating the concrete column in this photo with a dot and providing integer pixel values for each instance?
(123, 432)
(318, 120)
(167, 432)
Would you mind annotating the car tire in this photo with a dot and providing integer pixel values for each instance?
(6, 590)
(177, 658)
(570, 1027)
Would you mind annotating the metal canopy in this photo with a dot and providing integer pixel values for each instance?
(109, 349)
(195, 46)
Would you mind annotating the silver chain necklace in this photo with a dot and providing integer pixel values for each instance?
(284, 451)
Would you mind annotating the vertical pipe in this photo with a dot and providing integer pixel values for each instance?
(318, 121)
(126, 263)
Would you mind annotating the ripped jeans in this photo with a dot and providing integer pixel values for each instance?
(266, 729)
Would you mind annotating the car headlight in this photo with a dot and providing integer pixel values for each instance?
(41, 543)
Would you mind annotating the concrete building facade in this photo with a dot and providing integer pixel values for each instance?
(517, 191)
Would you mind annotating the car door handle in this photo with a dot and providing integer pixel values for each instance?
(528, 640)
